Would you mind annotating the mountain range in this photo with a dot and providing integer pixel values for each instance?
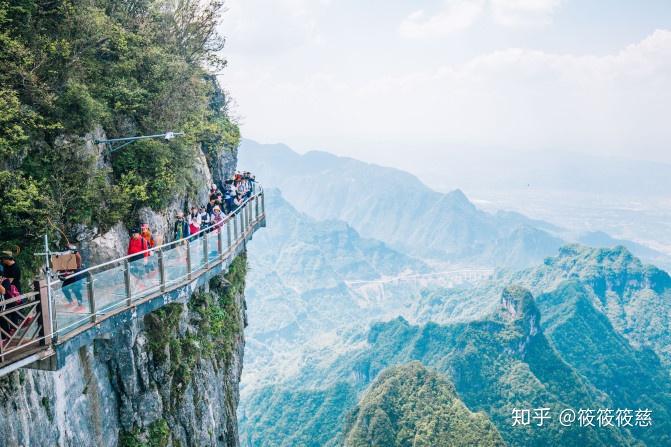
(358, 322)
(558, 350)
(300, 300)
(395, 207)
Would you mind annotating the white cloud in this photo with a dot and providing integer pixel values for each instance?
(514, 98)
(458, 15)
(524, 12)
(270, 26)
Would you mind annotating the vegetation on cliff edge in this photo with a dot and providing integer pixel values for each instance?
(125, 67)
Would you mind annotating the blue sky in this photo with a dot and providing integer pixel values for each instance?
(375, 79)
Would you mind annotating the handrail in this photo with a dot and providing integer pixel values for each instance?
(30, 322)
(16, 299)
(227, 218)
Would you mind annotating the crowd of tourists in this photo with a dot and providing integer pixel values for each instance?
(221, 202)
(199, 218)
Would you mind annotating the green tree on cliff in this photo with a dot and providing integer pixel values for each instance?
(125, 67)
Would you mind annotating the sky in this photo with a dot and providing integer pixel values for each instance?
(416, 84)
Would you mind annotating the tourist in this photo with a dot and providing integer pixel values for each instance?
(10, 270)
(204, 218)
(195, 220)
(239, 200)
(10, 281)
(210, 205)
(145, 232)
(137, 246)
(181, 227)
(232, 191)
(72, 285)
(217, 217)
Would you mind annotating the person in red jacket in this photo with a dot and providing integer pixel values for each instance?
(137, 245)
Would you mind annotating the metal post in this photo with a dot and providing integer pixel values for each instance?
(256, 206)
(246, 217)
(161, 268)
(235, 227)
(126, 280)
(92, 299)
(228, 233)
(206, 252)
(263, 204)
(50, 298)
(188, 259)
(220, 241)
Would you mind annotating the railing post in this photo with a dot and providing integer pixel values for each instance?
(188, 259)
(161, 268)
(45, 310)
(92, 298)
(228, 234)
(263, 204)
(256, 207)
(248, 208)
(126, 281)
(206, 252)
(235, 227)
(220, 241)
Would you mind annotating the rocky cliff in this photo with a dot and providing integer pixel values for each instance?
(170, 379)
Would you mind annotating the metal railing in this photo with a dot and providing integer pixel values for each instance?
(34, 320)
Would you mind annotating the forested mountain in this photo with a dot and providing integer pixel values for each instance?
(635, 297)
(560, 350)
(409, 406)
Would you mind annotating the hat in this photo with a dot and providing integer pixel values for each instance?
(217, 208)
(6, 254)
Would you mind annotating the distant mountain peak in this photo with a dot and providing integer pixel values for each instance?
(518, 309)
(458, 196)
(606, 269)
(518, 304)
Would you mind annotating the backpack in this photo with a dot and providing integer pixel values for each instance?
(12, 292)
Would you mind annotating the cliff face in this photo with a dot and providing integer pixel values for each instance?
(170, 379)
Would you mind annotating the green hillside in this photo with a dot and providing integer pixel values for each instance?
(635, 297)
(497, 364)
(412, 406)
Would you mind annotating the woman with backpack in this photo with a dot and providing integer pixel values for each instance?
(72, 285)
